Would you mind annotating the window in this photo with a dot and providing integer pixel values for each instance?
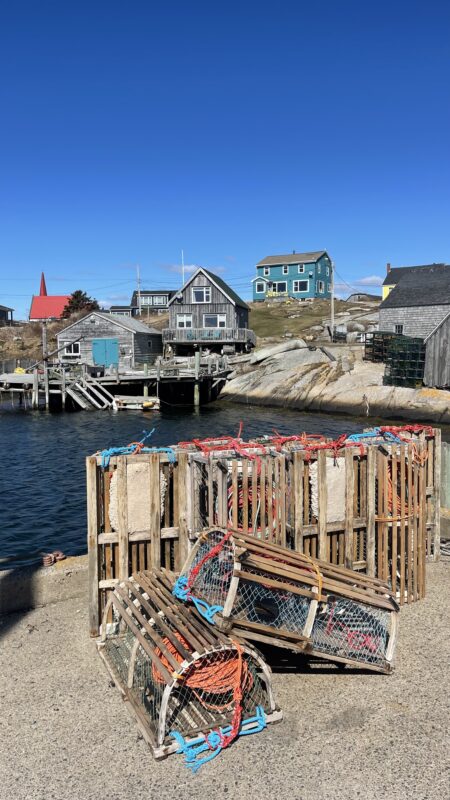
(300, 286)
(214, 320)
(159, 299)
(260, 288)
(320, 287)
(285, 269)
(279, 286)
(319, 268)
(146, 300)
(149, 344)
(201, 294)
(399, 329)
(328, 271)
(184, 320)
(266, 271)
(329, 287)
(301, 268)
(71, 348)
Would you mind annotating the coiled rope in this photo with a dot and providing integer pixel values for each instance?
(217, 674)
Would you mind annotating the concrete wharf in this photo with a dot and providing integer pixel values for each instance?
(179, 381)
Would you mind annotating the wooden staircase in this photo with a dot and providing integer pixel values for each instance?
(89, 394)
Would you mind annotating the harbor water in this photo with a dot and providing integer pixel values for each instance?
(42, 469)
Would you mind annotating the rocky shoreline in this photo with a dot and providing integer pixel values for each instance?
(331, 379)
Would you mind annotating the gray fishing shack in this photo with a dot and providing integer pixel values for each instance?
(104, 340)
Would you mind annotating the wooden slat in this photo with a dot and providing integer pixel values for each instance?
(270, 497)
(245, 516)
(183, 479)
(437, 495)
(92, 515)
(395, 513)
(349, 510)
(409, 546)
(370, 509)
(283, 500)
(323, 503)
(155, 510)
(234, 493)
(298, 501)
(122, 519)
(403, 551)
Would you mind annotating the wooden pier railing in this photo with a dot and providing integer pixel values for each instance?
(375, 509)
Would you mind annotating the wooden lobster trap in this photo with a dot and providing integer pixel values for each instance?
(191, 688)
(271, 594)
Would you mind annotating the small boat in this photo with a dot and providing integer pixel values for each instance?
(133, 403)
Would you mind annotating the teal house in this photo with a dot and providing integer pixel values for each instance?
(300, 275)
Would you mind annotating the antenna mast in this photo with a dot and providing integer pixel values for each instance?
(332, 300)
(138, 273)
(182, 265)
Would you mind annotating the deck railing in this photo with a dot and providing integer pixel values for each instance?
(190, 335)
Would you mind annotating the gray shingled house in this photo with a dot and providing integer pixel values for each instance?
(207, 313)
(106, 340)
(419, 301)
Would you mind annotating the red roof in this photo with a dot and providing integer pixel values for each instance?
(48, 307)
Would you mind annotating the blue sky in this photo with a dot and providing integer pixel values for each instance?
(231, 130)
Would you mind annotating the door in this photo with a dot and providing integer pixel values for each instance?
(105, 352)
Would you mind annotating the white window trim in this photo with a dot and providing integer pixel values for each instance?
(215, 327)
(72, 345)
(285, 269)
(184, 317)
(276, 283)
(159, 299)
(300, 291)
(301, 269)
(205, 290)
(266, 271)
(321, 284)
(260, 291)
(328, 272)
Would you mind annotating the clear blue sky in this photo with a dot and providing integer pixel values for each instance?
(232, 130)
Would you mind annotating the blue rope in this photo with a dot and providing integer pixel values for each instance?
(358, 437)
(213, 741)
(131, 448)
(181, 592)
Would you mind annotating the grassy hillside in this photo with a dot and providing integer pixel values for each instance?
(276, 319)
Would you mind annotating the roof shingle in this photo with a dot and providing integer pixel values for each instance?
(292, 258)
(424, 286)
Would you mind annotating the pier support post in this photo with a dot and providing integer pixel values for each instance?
(35, 394)
(145, 383)
(196, 394)
(46, 386)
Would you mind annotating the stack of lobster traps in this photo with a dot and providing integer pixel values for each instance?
(202, 552)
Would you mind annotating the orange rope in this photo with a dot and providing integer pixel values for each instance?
(210, 676)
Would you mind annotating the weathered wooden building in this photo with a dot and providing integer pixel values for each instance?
(6, 315)
(418, 302)
(207, 313)
(437, 355)
(100, 339)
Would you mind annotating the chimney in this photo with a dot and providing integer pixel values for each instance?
(388, 268)
(43, 289)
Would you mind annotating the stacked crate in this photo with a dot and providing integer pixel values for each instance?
(405, 362)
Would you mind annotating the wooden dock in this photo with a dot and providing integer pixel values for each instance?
(188, 381)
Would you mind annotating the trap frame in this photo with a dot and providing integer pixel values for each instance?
(167, 664)
(270, 594)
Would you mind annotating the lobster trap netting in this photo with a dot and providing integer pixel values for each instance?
(346, 629)
(181, 679)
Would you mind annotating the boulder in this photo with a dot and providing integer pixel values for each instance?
(268, 352)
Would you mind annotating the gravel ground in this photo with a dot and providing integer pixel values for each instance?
(66, 732)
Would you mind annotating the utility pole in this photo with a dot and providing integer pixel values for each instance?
(45, 359)
(182, 265)
(332, 300)
(138, 272)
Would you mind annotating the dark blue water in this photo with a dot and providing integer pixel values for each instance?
(42, 465)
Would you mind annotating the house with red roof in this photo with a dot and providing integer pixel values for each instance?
(47, 306)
